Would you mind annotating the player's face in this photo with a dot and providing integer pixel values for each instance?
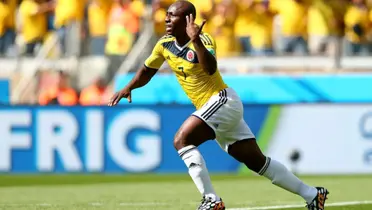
(175, 23)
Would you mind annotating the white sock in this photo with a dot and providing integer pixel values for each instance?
(282, 177)
(198, 170)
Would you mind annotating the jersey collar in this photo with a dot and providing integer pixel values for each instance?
(183, 47)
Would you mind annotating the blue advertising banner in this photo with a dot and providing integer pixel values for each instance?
(263, 89)
(123, 139)
(4, 91)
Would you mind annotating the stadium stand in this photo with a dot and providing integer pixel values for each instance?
(94, 38)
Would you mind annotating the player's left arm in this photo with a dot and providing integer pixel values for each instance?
(206, 59)
(142, 77)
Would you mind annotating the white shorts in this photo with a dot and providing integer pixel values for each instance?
(224, 114)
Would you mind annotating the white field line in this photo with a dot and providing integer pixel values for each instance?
(90, 204)
(349, 203)
(145, 204)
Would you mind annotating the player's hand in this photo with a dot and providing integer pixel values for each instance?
(192, 29)
(125, 93)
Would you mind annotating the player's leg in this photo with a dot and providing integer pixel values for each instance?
(234, 135)
(248, 152)
(192, 133)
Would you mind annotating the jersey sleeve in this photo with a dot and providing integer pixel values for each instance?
(209, 43)
(156, 59)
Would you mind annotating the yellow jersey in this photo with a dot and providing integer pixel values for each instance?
(293, 17)
(65, 12)
(34, 27)
(198, 85)
(319, 16)
(98, 15)
(354, 16)
(4, 13)
(11, 19)
(244, 21)
(262, 30)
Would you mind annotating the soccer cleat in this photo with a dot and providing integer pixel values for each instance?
(320, 199)
(211, 204)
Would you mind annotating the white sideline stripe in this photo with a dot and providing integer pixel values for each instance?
(91, 204)
(144, 204)
(349, 203)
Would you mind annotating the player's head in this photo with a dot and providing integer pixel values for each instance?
(175, 21)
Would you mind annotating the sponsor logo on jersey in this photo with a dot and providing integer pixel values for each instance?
(190, 55)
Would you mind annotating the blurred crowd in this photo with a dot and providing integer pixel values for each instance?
(56, 89)
(240, 27)
(104, 26)
(267, 27)
(248, 27)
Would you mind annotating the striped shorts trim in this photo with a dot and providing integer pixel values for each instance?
(216, 105)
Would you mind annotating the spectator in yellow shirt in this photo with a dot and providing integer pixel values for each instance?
(293, 20)
(357, 27)
(122, 28)
(97, 15)
(121, 36)
(222, 28)
(137, 8)
(325, 25)
(33, 23)
(204, 10)
(10, 34)
(244, 23)
(4, 12)
(262, 29)
(67, 21)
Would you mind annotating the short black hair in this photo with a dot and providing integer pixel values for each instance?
(189, 8)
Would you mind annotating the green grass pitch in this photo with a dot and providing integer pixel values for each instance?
(166, 192)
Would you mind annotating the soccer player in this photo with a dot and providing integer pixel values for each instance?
(219, 115)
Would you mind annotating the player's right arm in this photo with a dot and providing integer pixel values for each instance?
(143, 75)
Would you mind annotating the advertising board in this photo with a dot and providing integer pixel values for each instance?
(331, 139)
(102, 139)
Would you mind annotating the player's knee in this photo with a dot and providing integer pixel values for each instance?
(179, 140)
(253, 161)
(248, 152)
